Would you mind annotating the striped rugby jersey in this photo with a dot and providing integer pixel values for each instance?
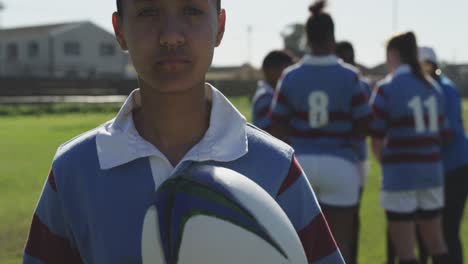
(455, 152)
(92, 209)
(261, 103)
(325, 106)
(410, 118)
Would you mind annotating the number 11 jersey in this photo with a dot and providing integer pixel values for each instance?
(410, 119)
(325, 107)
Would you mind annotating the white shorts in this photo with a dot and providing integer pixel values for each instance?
(413, 201)
(336, 181)
(363, 167)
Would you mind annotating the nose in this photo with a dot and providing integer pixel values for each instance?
(173, 34)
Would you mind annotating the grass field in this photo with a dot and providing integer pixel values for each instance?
(28, 144)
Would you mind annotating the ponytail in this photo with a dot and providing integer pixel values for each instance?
(320, 27)
(407, 47)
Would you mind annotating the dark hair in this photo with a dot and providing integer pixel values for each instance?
(345, 51)
(276, 59)
(320, 27)
(120, 6)
(407, 47)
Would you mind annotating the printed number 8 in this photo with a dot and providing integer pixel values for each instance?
(318, 109)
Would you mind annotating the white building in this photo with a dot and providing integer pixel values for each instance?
(69, 50)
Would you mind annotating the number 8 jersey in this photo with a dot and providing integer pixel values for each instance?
(410, 117)
(325, 107)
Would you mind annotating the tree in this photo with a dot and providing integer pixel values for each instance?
(295, 39)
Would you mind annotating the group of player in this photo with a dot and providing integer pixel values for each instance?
(324, 108)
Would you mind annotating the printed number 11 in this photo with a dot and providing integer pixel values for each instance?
(416, 105)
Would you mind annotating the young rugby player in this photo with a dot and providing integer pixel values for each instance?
(321, 108)
(407, 137)
(273, 65)
(102, 183)
(454, 158)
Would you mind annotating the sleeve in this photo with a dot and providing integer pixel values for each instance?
(450, 118)
(50, 240)
(260, 111)
(360, 109)
(281, 108)
(381, 116)
(298, 201)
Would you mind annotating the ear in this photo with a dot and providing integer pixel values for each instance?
(117, 24)
(221, 27)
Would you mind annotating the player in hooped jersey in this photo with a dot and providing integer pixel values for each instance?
(409, 129)
(345, 51)
(454, 157)
(273, 65)
(320, 108)
(102, 183)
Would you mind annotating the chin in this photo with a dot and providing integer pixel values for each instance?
(171, 83)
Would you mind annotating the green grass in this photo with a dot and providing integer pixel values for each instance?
(27, 146)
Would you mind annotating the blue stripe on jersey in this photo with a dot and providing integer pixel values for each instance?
(300, 216)
(261, 107)
(411, 159)
(326, 108)
(455, 153)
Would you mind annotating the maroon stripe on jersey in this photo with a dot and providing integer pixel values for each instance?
(280, 119)
(280, 98)
(317, 239)
(263, 112)
(408, 121)
(51, 180)
(295, 172)
(320, 134)
(49, 248)
(376, 133)
(446, 135)
(411, 157)
(359, 99)
(380, 92)
(379, 113)
(332, 116)
(413, 142)
(361, 125)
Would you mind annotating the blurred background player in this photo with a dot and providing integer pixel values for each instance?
(454, 157)
(321, 108)
(345, 51)
(407, 136)
(273, 65)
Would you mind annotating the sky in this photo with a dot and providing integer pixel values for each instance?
(366, 23)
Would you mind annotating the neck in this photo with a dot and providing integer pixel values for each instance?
(173, 122)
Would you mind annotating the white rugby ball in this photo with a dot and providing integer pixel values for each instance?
(215, 215)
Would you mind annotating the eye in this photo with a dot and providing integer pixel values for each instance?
(148, 12)
(192, 11)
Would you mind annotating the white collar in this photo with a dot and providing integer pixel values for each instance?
(264, 85)
(402, 69)
(326, 60)
(118, 142)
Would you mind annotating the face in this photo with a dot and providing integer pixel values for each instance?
(272, 75)
(393, 59)
(171, 42)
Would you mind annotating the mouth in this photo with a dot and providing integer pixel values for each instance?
(172, 64)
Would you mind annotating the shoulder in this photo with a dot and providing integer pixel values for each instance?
(73, 154)
(349, 69)
(293, 70)
(266, 146)
(262, 92)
